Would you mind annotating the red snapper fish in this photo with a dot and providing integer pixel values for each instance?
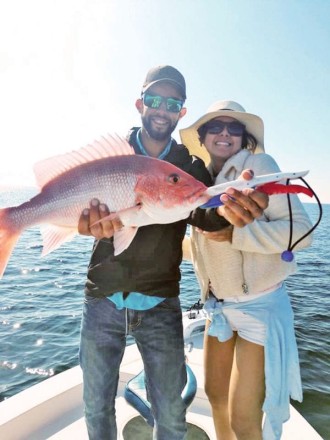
(140, 190)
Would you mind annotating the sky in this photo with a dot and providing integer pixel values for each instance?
(71, 71)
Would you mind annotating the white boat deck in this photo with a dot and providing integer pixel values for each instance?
(53, 409)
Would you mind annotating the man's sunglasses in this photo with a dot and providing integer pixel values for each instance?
(155, 101)
(234, 128)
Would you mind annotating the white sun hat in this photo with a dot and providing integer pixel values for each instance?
(253, 124)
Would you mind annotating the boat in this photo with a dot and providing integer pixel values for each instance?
(53, 408)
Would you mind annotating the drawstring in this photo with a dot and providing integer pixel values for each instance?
(288, 255)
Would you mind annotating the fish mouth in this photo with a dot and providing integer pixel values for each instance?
(192, 200)
(199, 196)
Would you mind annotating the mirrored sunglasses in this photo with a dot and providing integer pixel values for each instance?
(234, 128)
(155, 101)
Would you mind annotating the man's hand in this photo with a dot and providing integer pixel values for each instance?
(89, 217)
(242, 207)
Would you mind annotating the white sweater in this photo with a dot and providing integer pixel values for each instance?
(252, 263)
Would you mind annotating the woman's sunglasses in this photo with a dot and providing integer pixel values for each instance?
(234, 128)
(155, 101)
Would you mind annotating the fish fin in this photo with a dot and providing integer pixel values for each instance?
(109, 217)
(8, 240)
(123, 238)
(54, 236)
(122, 214)
(107, 146)
(131, 216)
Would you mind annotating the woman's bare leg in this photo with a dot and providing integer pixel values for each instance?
(218, 361)
(247, 390)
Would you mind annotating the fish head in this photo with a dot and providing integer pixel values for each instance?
(168, 187)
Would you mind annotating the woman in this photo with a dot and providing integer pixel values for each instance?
(251, 359)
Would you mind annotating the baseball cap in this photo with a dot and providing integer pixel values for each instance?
(165, 73)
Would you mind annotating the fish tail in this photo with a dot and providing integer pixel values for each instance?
(8, 239)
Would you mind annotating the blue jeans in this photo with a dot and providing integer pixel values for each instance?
(159, 337)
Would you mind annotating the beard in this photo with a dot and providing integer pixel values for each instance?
(156, 134)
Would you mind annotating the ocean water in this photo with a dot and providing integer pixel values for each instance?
(41, 302)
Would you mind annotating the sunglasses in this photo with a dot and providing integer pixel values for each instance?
(155, 101)
(234, 128)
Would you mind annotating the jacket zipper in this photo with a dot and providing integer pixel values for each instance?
(244, 285)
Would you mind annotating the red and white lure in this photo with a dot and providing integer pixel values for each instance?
(266, 183)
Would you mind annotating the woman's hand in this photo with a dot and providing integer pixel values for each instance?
(243, 207)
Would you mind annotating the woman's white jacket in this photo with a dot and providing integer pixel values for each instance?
(252, 263)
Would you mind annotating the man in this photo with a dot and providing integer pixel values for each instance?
(137, 291)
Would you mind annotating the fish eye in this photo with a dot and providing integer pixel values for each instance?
(174, 178)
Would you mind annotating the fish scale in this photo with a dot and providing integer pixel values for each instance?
(73, 195)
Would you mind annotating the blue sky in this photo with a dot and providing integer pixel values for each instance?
(71, 70)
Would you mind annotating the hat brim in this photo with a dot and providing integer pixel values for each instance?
(253, 124)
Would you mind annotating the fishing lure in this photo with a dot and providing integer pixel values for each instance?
(265, 183)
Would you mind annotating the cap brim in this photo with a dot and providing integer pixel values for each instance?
(189, 136)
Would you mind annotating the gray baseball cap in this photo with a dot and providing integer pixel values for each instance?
(167, 74)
